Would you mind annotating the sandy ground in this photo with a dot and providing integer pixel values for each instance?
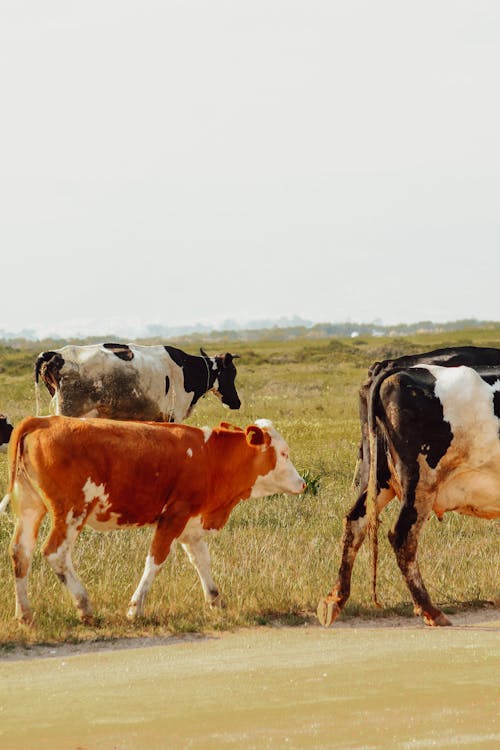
(384, 684)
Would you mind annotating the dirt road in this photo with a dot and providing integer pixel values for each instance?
(357, 685)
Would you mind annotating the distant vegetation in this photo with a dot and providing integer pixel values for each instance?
(280, 330)
(276, 557)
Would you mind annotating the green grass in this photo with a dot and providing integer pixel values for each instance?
(277, 556)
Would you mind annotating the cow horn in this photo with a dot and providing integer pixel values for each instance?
(203, 352)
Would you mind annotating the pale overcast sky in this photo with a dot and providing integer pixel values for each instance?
(181, 162)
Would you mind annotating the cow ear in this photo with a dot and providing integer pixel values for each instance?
(256, 435)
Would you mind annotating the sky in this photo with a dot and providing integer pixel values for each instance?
(187, 162)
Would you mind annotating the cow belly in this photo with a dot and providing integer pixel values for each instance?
(473, 492)
(111, 523)
(116, 395)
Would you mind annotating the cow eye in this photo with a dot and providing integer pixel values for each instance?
(284, 454)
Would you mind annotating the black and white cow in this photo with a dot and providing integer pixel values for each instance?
(5, 432)
(130, 381)
(470, 356)
(433, 437)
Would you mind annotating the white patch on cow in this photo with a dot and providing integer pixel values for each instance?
(62, 564)
(207, 431)
(92, 492)
(467, 402)
(471, 466)
(28, 537)
(194, 530)
(189, 452)
(136, 605)
(193, 542)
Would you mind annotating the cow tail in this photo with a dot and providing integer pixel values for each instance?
(38, 364)
(14, 451)
(373, 488)
(37, 399)
(15, 454)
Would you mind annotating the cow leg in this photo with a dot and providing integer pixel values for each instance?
(30, 514)
(57, 549)
(169, 527)
(196, 548)
(355, 528)
(404, 540)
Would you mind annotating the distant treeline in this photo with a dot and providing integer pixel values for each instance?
(271, 333)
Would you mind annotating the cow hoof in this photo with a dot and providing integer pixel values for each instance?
(26, 619)
(441, 621)
(327, 612)
(131, 612)
(218, 602)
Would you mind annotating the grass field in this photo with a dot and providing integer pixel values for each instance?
(277, 556)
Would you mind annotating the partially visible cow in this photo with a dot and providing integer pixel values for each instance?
(434, 443)
(471, 356)
(181, 480)
(130, 381)
(5, 432)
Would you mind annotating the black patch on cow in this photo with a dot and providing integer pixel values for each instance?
(358, 510)
(167, 384)
(420, 426)
(470, 356)
(200, 375)
(407, 517)
(197, 372)
(122, 351)
(226, 375)
(5, 430)
(179, 357)
(496, 404)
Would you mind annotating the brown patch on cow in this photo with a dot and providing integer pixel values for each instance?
(109, 397)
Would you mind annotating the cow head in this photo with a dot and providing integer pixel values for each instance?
(5, 432)
(283, 476)
(225, 375)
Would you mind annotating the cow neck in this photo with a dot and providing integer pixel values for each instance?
(227, 486)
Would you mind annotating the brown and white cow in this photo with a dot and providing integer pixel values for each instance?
(434, 443)
(182, 480)
(131, 381)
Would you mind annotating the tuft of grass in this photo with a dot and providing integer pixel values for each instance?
(312, 482)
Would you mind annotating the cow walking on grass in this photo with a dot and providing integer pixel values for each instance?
(130, 381)
(430, 438)
(181, 480)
